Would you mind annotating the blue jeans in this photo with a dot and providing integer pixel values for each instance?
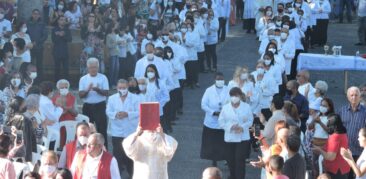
(113, 69)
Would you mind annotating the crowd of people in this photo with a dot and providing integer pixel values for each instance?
(154, 50)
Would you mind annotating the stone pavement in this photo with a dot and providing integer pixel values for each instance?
(241, 49)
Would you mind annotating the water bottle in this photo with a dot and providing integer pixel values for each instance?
(357, 53)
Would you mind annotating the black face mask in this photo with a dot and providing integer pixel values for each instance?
(330, 130)
(188, 6)
(279, 10)
(134, 89)
(289, 92)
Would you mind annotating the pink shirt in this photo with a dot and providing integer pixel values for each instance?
(7, 170)
(280, 177)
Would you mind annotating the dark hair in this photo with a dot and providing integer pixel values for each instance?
(5, 143)
(276, 162)
(294, 84)
(166, 50)
(8, 47)
(272, 43)
(33, 175)
(34, 89)
(281, 4)
(236, 91)
(330, 104)
(46, 87)
(23, 69)
(294, 130)
(159, 52)
(293, 143)
(14, 106)
(136, 89)
(20, 43)
(278, 102)
(270, 55)
(19, 26)
(71, 5)
(219, 74)
(157, 77)
(65, 173)
(335, 124)
(82, 123)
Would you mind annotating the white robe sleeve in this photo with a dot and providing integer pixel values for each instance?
(114, 169)
(169, 148)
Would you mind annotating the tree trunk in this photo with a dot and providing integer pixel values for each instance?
(25, 8)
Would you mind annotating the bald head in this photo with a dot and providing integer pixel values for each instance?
(303, 77)
(354, 96)
(212, 173)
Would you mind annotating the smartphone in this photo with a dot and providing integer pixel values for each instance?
(257, 130)
(19, 137)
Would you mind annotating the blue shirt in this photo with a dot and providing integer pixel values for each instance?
(301, 103)
(353, 121)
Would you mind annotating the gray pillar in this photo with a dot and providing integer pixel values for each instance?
(25, 8)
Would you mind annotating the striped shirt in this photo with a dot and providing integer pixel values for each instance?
(353, 121)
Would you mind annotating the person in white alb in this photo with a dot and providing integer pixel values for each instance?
(223, 13)
(150, 151)
(93, 90)
(122, 111)
(236, 118)
(213, 145)
(94, 162)
(51, 112)
(148, 59)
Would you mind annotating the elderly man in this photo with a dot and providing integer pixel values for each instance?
(122, 111)
(353, 117)
(212, 173)
(93, 162)
(302, 104)
(69, 151)
(66, 101)
(5, 25)
(305, 88)
(93, 90)
(150, 58)
(363, 94)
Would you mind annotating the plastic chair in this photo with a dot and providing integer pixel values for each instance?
(52, 134)
(20, 168)
(81, 118)
(70, 127)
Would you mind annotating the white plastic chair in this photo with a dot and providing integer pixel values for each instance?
(81, 118)
(70, 127)
(19, 168)
(320, 161)
(52, 134)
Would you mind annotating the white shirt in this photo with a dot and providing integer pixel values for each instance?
(288, 51)
(155, 94)
(150, 154)
(141, 65)
(266, 89)
(311, 94)
(99, 81)
(126, 126)
(191, 44)
(91, 167)
(25, 56)
(212, 101)
(223, 8)
(5, 26)
(212, 26)
(73, 18)
(319, 132)
(231, 116)
(50, 112)
(104, 2)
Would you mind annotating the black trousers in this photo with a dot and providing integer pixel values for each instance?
(121, 157)
(64, 62)
(96, 114)
(294, 65)
(211, 57)
(180, 95)
(249, 24)
(351, 174)
(221, 33)
(338, 175)
(239, 152)
(239, 9)
(192, 69)
(127, 66)
(201, 60)
(37, 58)
(170, 111)
(322, 31)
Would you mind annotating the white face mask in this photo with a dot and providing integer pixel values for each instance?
(205, 16)
(323, 109)
(283, 36)
(15, 82)
(142, 87)
(48, 169)
(244, 76)
(235, 99)
(260, 71)
(150, 75)
(190, 29)
(220, 83)
(150, 56)
(60, 7)
(123, 92)
(170, 3)
(271, 37)
(273, 50)
(297, 4)
(290, 9)
(24, 29)
(269, 13)
(267, 62)
(169, 54)
(33, 75)
(278, 23)
(149, 36)
(286, 26)
(83, 140)
(64, 91)
(165, 38)
(184, 30)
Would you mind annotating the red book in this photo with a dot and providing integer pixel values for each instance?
(149, 115)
